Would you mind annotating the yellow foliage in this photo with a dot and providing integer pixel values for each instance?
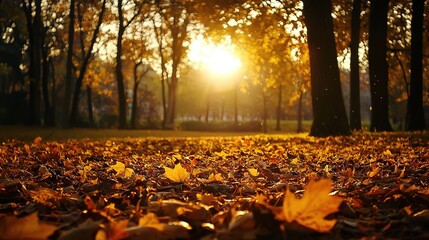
(311, 210)
(178, 174)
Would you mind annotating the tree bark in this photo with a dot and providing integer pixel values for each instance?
(89, 105)
(378, 68)
(279, 107)
(415, 118)
(299, 127)
(355, 117)
(329, 114)
(34, 25)
(69, 66)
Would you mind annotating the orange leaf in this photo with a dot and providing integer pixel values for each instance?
(311, 210)
(27, 227)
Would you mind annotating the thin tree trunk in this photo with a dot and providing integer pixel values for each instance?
(69, 66)
(329, 114)
(378, 68)
(415, 119)
(279, 107)
(355, 117)
(35, 67)
(89, 105)
(299, 127)
(264, 113)
(236, 104)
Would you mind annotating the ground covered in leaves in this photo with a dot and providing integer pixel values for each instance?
(367, 186)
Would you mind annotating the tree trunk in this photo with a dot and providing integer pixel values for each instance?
(89, 105)
(137, 80)
(264, 112)
(35, 66)
(378, 68)
(236, 104)
(87, 57)
(69, 66)
(122, 103)
(329, 114)
(415, 119)
(355, 118)
(49, 115)
(279, 107)
(299, 127)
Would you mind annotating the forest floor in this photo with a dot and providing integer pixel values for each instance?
(365, 186)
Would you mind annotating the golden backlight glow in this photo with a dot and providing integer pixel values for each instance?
(218, 59)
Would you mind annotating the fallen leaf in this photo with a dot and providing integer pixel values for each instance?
(311, 210)
(27, 227)
(215, 177)
(121, 170)
(178, 174)
(253, 172)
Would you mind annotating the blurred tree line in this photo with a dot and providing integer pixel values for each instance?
(125, 64)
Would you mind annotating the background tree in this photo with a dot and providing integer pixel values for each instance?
(124, 20)
(415, 119)
(329, 115)
(69, 65)
(355, 117)
(85, 54)
(171, 21)
(378, 68)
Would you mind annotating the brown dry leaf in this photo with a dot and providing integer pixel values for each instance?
(178, 174)
(27, 227)
(215, 177)
(311, 210)
(37, 140)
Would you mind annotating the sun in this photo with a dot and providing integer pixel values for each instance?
(217, 59)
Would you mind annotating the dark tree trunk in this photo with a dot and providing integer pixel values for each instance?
(69, 66)
(355, 118)
(236, 104)
(329, 114)
(49, 115)
(89, 105)
(120, 82)
(35, 26)
(264, 112)
(299, 127)
(122, 103)
(87, 57)
(279, 107)
(378, 68)
(415, 119)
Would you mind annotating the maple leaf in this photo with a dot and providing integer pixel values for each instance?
(311, 210)
(178, 174)
(27, 227)
(121, 170)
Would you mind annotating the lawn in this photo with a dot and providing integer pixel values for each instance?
(104, 185)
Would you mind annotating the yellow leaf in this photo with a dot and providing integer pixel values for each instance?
(375, 171)
(294, 161)
(311, 210)
(253, 172)
(121, 170)
(27, 227)
(215, 177)
(178, 174)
